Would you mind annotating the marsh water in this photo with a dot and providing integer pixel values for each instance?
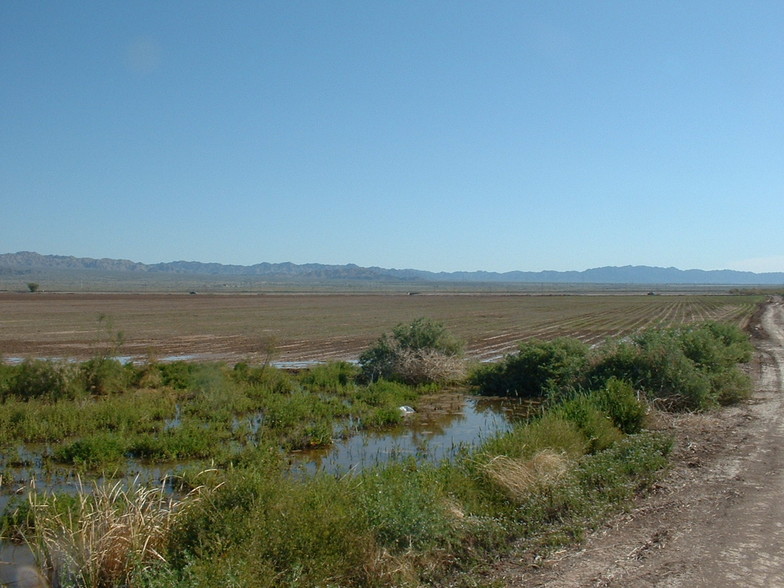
(444, 425)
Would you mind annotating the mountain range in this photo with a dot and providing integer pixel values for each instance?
(24, 262)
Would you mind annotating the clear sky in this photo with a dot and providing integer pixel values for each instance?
(450, 135)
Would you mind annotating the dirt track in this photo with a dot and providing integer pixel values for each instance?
(717, 519)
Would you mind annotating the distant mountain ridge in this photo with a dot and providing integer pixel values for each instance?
(25, 261)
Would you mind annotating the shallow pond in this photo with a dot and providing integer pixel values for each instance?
(444, 425)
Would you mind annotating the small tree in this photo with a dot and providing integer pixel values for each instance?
(418, 352)
(33, 286)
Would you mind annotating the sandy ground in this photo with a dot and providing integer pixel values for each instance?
(716, 519)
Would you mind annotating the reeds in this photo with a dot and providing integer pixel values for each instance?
(105, 536)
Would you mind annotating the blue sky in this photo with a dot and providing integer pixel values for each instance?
(443, 136)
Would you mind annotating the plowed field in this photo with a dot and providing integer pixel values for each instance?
(311, 327)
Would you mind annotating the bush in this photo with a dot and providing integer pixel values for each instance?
(37, 378)
(177, 374)
(102, 376)
(618, 400)
(93, 451)
(658, 366)
(730, 386)
(403, 507)
(715, 346)
(594, 423)
(536, 369)
(685, 368)
(415, 353)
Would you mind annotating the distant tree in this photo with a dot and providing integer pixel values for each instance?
(33, 286)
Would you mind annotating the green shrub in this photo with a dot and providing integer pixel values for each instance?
(685, 368)
(264, 380)
(177, 374)
(258, 528)
(312, 532)
(626, 468)
(715, 346)
(537, 368)
(48, 380)
(102, 376)
(731, 386)
(618, 400)
(658, 366)
(7, 374)
(188, 441)
(402, 506)
(93, 451)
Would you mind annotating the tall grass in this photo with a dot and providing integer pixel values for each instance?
(106, 537)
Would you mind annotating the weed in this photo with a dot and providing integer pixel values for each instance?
(93, 451)
(333, 377)
(102, 376)
(103, 536)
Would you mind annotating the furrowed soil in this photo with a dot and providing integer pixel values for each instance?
(322, 327)
(716, 519)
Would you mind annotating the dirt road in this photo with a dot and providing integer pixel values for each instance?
(717, 519)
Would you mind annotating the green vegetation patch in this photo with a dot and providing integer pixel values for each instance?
(692, 367)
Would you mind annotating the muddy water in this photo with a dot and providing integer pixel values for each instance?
(18, 568)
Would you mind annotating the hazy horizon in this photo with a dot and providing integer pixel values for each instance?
(469, 271)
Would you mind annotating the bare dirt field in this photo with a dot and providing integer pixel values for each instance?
(308, 327)
(717, 518)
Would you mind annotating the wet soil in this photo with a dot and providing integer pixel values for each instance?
(716, 519)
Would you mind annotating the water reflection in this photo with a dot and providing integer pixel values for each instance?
(444, 426)
(18, 568)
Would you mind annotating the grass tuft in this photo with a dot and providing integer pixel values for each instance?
(519, 477)
(105, 536)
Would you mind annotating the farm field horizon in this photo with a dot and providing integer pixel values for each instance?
(311, 327)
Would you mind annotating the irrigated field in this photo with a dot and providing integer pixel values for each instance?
(307, 327)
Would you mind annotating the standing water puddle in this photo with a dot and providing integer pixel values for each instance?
(445, 425)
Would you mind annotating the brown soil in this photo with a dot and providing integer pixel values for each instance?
(716, 519)
(306, 327)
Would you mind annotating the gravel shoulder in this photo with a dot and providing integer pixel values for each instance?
(717, 517)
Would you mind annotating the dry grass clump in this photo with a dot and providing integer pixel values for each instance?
(518, 477)
(429, 365)
(106, 535)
